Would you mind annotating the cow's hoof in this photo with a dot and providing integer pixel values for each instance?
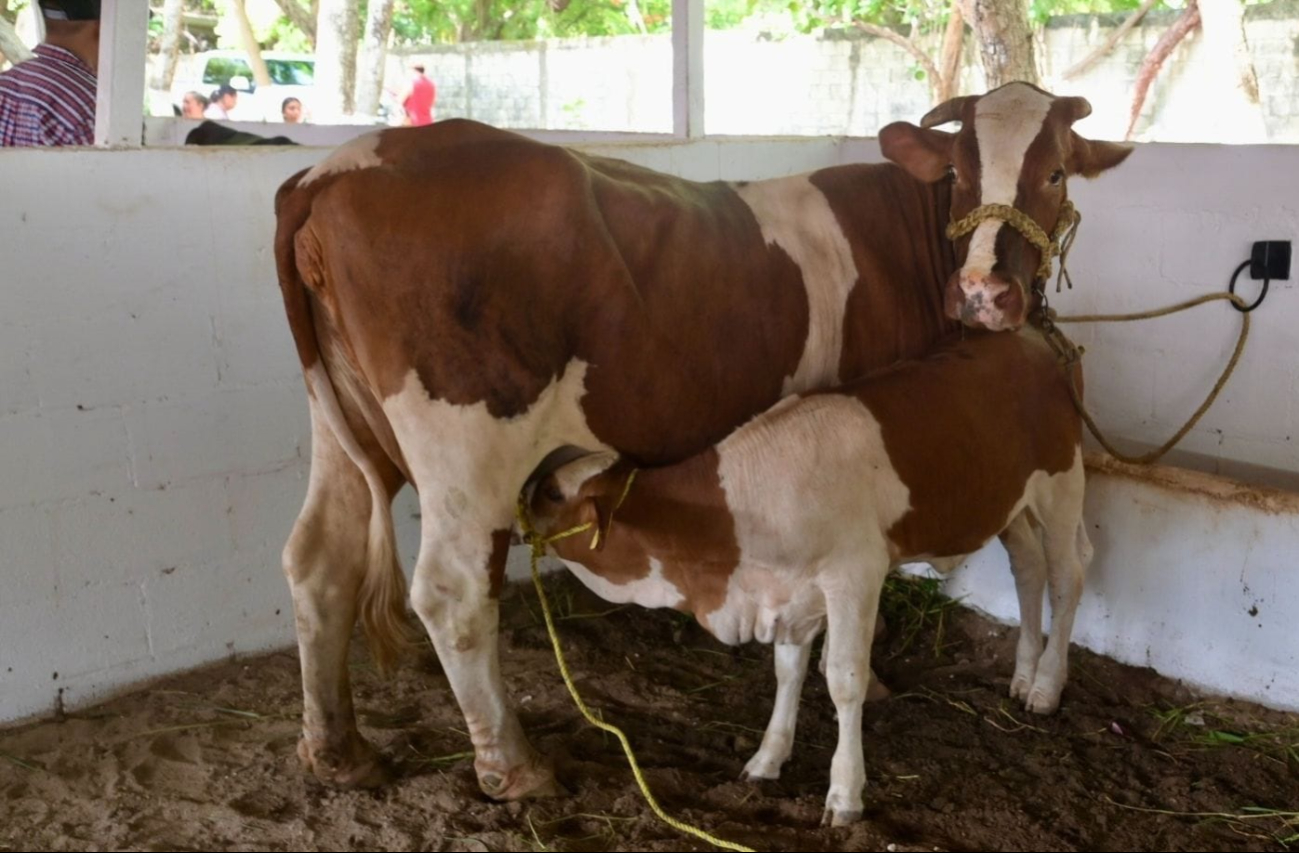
(354, 764)
(533, 780)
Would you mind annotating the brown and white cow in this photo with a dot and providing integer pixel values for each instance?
(469, 306)
(794, 520)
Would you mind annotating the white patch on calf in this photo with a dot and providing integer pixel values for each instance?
(1006, 122)
(796, 216)
(811, 489)
(359, 153)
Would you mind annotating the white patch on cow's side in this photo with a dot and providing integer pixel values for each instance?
(359, 153)
(1006, 122)
(464, 447)
(796, 216)
(653, 590)
(810, 487)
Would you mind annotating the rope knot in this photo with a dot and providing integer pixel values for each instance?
(1048, 246)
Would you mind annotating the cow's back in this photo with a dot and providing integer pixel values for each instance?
(489, 264)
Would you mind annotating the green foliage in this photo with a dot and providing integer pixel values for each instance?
(447, 21)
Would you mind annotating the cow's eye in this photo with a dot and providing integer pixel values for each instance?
(951, 172)
(553, 494)
(1057, 177)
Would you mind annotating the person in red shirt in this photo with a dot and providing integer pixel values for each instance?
(418, 99)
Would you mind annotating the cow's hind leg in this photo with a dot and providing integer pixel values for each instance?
(325, 562)
(456, 594)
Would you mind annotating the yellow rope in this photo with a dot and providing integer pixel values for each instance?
(1070, 353)
(538, 545)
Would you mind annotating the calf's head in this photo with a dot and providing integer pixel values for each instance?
(1015, 149)
(582, 492)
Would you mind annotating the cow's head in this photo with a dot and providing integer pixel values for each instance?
(1015, 148)
(581, 492)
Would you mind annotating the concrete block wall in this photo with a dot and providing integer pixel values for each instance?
(153, 422)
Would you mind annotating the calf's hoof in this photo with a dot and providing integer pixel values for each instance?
(1043, 700)
(760, 768)
(832, 817)
(1020, 686)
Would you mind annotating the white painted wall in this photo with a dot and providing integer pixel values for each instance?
(153, 430)
(1193, 577)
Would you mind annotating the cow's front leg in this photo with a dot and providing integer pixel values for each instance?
(778, 742)
(455, 592)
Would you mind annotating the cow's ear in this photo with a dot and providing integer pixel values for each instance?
(594, 513)
(1089, 158)
(924, 152)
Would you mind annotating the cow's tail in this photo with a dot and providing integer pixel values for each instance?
(382, 598)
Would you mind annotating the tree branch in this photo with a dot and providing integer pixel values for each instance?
(1115, 37)
(301, 17)
(931, 70)
(1172, 37)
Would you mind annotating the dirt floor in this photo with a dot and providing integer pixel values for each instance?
(205, 761)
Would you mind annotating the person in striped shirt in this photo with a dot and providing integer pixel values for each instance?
(50, 98)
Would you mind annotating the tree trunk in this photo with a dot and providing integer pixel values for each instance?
(374, 50)
(335, 59)
(949, 62)
(301, 17)
(261, 75)
(1005, 41)
(11, 46)
(173, 19)
(1224, 33)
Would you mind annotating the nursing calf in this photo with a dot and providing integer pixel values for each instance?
(790, 524)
